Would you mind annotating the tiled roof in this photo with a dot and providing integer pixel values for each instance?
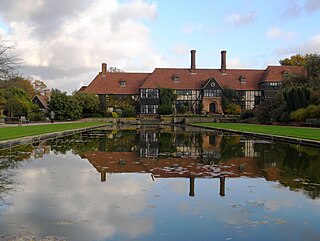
(179, 78)
(42, 100)
(129, 162)
(83, 88)
(276, 73)
(163, 78)
(111, 83)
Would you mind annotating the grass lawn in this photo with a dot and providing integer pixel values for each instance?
(7, 133)
(297, 132)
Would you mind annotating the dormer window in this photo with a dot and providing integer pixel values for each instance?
(285, 73)
(243, 79)
(123, 83)
(175, 78)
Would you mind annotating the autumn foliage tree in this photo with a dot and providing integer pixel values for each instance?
(294, 60)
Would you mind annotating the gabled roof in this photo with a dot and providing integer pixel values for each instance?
(163, 78)
(276, 73)
(182, 78)
(83, 88)
(42, 101)
(110, 84)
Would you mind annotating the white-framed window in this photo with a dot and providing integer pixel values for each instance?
(149, 109)
(212, 93)
(149, 93)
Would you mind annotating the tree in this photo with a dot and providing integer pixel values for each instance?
(229, 96)
(3, 102)
(88, 102)
(167, 99)
(16, 102)
(264, 111)
(39, 87)
(8, 62)
(297, 59)
(297, 97)
(21, 82)
(313, 68)
(64, 106)
(115, 70)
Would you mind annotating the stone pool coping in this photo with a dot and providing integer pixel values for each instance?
(287, 139)
(29, 139)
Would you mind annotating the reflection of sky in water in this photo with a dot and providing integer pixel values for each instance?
(62, 195)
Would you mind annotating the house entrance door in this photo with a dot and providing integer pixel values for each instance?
(212, 108)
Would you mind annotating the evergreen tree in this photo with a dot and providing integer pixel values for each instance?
(64, 106)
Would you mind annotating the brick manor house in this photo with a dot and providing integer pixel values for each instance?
(198, 89)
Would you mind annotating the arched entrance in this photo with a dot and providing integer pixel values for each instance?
(212, 108)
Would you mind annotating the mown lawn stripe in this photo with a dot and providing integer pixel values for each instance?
(288, 131)
(14, 132)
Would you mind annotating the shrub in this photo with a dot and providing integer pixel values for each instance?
(182, 108)
(246, 114)
(298, 115)
(164, 110)
(312, 111)
(115, 114)
(232, 109)
(128, 112)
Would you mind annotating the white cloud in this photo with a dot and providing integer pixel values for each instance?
(89, 218)
(292, 8)
(295, 8)
(278, 33)
(235, 63)
(197, 28)
(311, 46)
(65, 43)
(312, 5)
(180, 49)
(239, 19)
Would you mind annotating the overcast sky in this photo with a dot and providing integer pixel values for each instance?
(64, 42)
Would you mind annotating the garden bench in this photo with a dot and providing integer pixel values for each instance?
(23, 120)
(313, 122)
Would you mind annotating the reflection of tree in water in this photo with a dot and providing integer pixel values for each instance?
(299, 165)
(296, 167)
(11, 159)
(166, 143)
(231, 147)
(96, 140)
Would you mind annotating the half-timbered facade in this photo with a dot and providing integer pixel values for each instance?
(197, 90)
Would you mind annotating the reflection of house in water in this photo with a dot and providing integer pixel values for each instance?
(183, 155)
(248, 148)
(149, 144)
(172, 167)
(129, 162)
(180, 144)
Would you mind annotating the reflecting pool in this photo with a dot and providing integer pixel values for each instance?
(160, 184)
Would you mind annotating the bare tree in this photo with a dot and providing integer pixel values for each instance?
(8, 62)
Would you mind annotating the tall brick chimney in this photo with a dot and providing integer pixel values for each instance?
(224, 62)
(104, 70)
(193, 61)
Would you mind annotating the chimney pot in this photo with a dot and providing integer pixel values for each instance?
(224, 62)
(104, 70)
(193, 61)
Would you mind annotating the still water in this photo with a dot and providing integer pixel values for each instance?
(160, 184)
